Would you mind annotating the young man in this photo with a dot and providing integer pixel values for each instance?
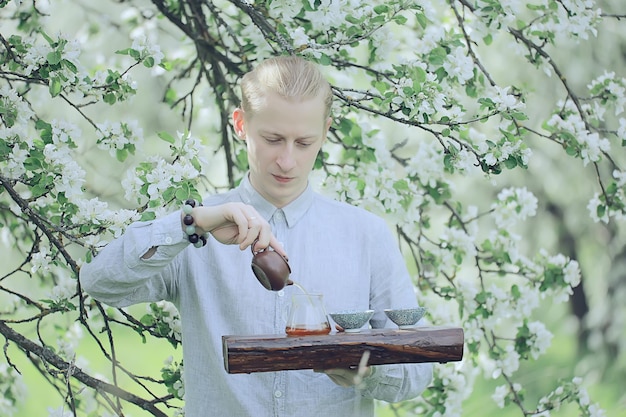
(343, 252)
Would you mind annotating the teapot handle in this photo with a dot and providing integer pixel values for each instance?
(260, 250)
(253, 245)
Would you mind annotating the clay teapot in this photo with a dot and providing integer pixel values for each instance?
(270, 268)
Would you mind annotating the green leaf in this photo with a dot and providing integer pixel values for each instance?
(32, 164)
(458, 258)
(48, 39)
(69, 65)
(147, 216)
(169, 194)
(325, 60)
(109, 98)
(515, 292)
(55, 87)
(422, 20)
(134, 53)
(401, 185)
(571, 150)
(166, 137)
(148, 62)
(380, 86)
(38, 190)
(399, 19)
(40, 124)
(147, 320)
(612, 188)
(182, 193)
(121, 154)
(510, 162)
(381, 9)
(517, 115)
(54, 57)
(437, 56)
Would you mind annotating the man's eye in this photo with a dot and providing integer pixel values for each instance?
(304, 144)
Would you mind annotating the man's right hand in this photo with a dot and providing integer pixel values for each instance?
(236, 224)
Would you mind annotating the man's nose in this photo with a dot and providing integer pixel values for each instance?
(286, 160)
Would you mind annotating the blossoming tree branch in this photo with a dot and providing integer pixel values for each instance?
(115, 112)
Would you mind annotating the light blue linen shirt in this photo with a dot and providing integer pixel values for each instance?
(344, 252)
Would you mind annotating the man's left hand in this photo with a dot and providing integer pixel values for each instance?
(347, 377)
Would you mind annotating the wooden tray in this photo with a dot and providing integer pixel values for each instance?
(263, 353)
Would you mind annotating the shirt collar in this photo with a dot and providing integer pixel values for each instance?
(293, 211)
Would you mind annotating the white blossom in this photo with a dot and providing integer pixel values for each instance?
(116, 135)
(385, 43)
(41, 260)
(596, 411)
(500, 394)
(69, 343)
(59, 412)
(64, 289)
(14, 167)
(513, 205)
(527, 302)
(284, 9)
(508, 362)
(12, 103)
(11, 385)
(426, 163)
(299, 37)
(460, 65)
(147, 49)
(592, 207)
(327, 15)
(456, 238)
(171, 318)
(621, 131)
(505, 101)
(540, 340)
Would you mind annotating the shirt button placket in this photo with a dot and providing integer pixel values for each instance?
(279, 227)
(279, 394)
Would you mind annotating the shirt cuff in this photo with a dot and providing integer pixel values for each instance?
(167, 230)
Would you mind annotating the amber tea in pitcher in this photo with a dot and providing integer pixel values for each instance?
(307, 316)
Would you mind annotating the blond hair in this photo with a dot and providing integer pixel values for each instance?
(291, 77)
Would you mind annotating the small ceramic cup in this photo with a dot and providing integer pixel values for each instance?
(352, 321)
(405, 318)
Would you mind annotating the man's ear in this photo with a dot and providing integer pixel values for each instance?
(329, 121)
(238, 123)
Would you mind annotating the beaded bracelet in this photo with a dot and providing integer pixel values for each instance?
(190, 230)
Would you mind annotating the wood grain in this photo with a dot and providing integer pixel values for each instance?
(263, 353)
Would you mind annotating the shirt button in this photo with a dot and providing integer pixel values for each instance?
(281, 293)
(168, 240)
(278, 394)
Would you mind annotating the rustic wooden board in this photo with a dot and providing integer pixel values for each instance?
(247, 354)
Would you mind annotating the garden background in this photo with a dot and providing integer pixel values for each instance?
(490, 134)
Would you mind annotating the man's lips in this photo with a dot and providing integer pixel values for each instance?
(282, 179)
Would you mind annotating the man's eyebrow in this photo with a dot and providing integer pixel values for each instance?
(280, 135)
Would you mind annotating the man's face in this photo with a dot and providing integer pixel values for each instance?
(283, 139)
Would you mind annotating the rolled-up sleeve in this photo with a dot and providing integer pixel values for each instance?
(118, 275)
(395, 383)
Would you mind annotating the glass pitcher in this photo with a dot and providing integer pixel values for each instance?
(307, 316)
